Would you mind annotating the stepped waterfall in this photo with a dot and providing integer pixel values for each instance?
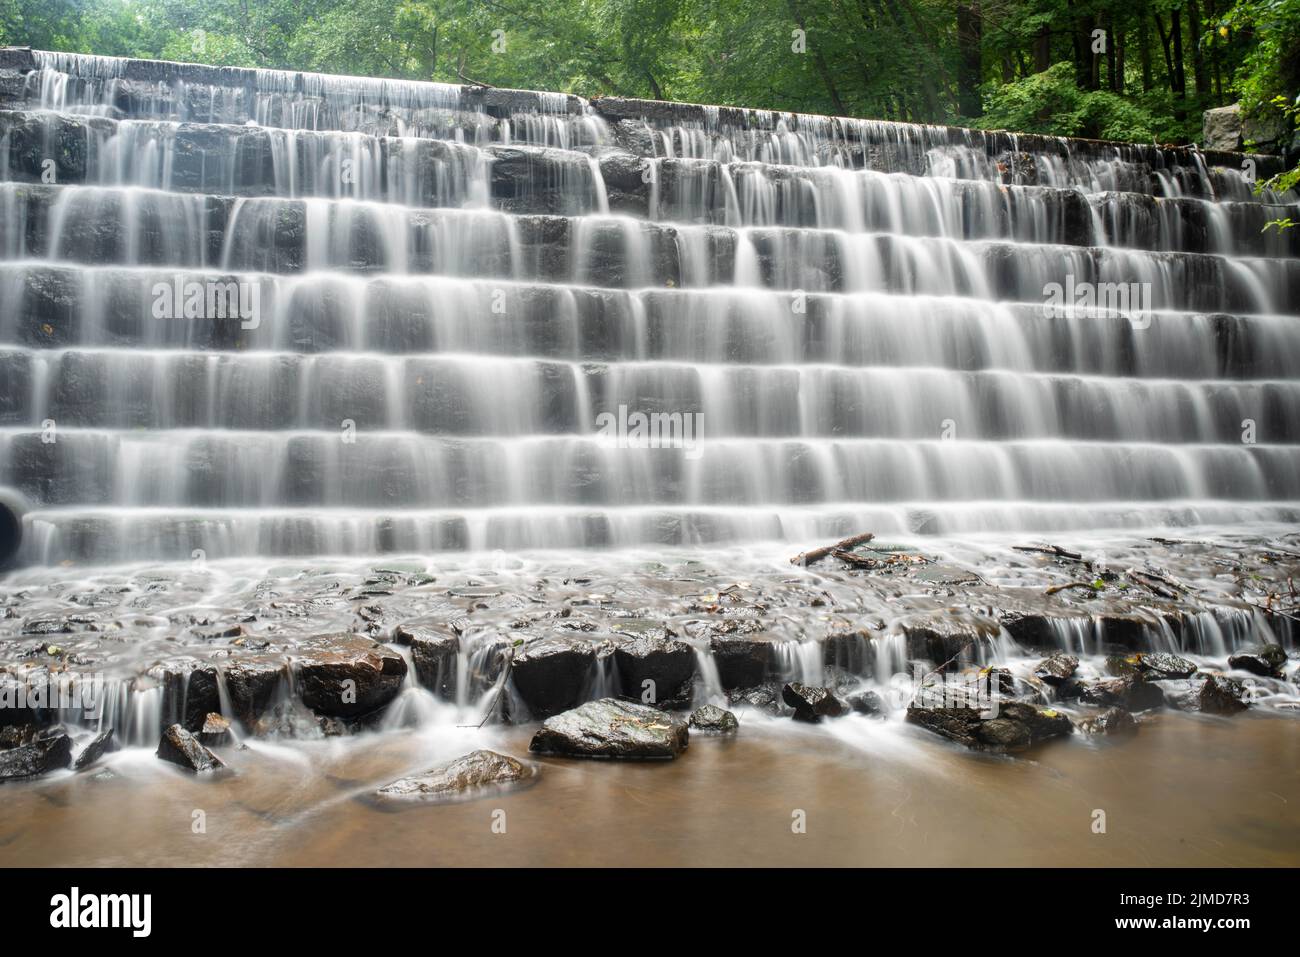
(499, 404)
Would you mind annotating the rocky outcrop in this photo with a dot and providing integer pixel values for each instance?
(471, 772)
(714, 720)
(812, 704)
(49, 750)
(610, 728)
(183, 749)
(1221, 128)
(666, 663)
(346, 676)
(1015, 726)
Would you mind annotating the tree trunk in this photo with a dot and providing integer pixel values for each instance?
(1042, 49)
(1144, 53)
(1195, 27)
(970, 28)
(1180, 72)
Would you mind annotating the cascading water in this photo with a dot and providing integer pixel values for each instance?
(254, 314)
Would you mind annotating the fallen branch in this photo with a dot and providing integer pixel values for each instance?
(1055, 588)
(1055, 550)
(844, 545)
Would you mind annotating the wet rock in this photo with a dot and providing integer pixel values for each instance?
(190, 690)
(252, 684)
(811, 704)
(1160, 665)
(1110, 721)
(1122, 665)
(346, 675)
(552, 674)
(741, 662)
(667, 663)
(183, 749)
(1013, 727)
(1127, 692)
(865, 702)
(610, 728)
(215, 731)
(763, 697)
(434, 649)
(14, 735)
(945, 639)
(1267, 662)
(1222, 695)
(99, 745)
(1056, 669)
(1221, 128)
(48, 750)
(478, 769)
(714, 720)
(1181, 694)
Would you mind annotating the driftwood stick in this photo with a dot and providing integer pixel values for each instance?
(1055, 588)
(844, 545)
(1055, 550)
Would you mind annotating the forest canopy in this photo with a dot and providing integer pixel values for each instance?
(1117, 69)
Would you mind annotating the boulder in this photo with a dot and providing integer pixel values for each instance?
(1267, 661)
(1222, 695)
(667, 662)
(435, 648)
(1127, 692)
(478, 769)
(1160, 665)
(1121, 666)
(346, 675)
(866, 702)
(92, 752)
(741, 662)
(811, 704)
(610, 728)
(1014, 726)
(714, 720)
(215, 731)
(1110, 721)
(182, 748)
(1056, 669)
(763, 697)
(1221, 128)
(252, 684)
(48, 750)
(552, 674)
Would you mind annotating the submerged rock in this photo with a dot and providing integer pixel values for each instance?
(1056, 669)
(811, 704)
(182, 748)
(478, 769)
(1222, 695)
(215, 731)
(866, 702)
(763, 697)
(92, 752)
(346, 675)
(49, 750)
(714, 720)
(1014, 727)
(610, 728)
(1129, 692)
(1110, 721)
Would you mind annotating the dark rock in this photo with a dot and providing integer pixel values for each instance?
(478, 769)
(435, 648)
(252, 684)
(1222, 695)
(1056, 669)
(215, 731)
(552, 674)
(610, 728)
(182, 748)
(14, 735)
(346, 675)
(1267, 661)
(715, 720)
(1110, 721)
(741, 662)
(667, 662)
(1128, 692)
(1160, 665)
(92, 752)
(49, 750)
(1014, 726)
(764, 697)
(811, 704)
(1121, 666)
(866, 702)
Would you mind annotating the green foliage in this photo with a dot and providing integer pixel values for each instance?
(1032, 64)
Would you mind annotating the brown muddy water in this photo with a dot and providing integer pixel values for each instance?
(1188, 790)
